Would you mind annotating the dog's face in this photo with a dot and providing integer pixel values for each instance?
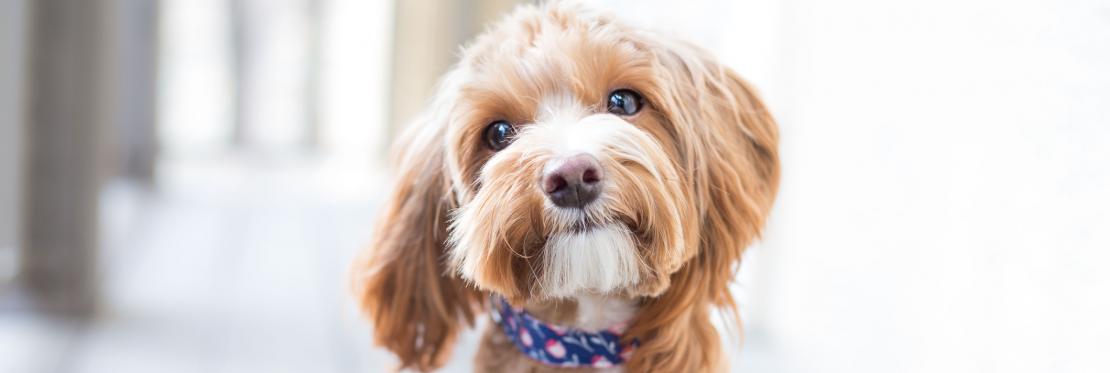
(567, 162)
(576, 148)
(565, 154)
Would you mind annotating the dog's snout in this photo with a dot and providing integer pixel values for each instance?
(574, 182)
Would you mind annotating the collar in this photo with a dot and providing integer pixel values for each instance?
(557, 345)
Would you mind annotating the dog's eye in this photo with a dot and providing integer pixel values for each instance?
(624, 102)
(499, 135)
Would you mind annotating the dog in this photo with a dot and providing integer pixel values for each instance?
(588, 184)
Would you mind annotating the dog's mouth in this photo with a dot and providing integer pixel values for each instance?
(560, 221)
(582, 226)
(585, 224)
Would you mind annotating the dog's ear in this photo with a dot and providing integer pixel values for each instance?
(736, 165)
(730, 148)
(400, 280)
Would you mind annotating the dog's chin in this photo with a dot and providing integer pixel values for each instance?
(589, 259)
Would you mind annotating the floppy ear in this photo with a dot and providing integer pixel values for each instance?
(730, 147)
(401, 281)
(738, 172)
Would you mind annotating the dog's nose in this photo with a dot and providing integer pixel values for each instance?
(575, 182)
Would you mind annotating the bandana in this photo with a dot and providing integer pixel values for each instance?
(560, 346)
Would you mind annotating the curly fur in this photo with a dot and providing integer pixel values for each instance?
(689, 183)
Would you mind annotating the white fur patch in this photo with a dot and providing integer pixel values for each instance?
(597, 312)
(600, 260)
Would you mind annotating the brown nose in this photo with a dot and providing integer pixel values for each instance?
(575, 182)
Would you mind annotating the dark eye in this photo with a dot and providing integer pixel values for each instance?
(498, 135)
(624, 102)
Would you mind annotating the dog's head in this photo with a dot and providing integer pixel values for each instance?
(568, 153)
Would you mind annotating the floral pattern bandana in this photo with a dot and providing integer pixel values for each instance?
(560, 346)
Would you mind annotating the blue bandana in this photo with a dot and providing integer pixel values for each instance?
(560, 346)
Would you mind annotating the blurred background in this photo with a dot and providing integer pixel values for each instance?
(184, 182)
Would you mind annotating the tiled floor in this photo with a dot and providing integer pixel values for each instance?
(229, 266)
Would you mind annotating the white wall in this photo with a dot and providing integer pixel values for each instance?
(945, 205)
(195, 86)
(11, 111)
(947, 186)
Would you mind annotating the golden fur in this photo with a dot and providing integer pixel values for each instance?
(691, 179)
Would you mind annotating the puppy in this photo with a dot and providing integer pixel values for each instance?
(589, 185)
